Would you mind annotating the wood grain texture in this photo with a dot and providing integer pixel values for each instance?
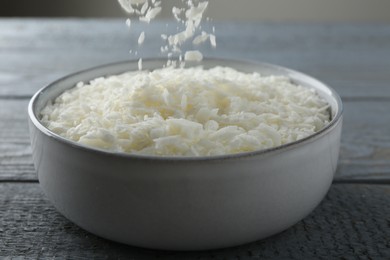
(353, 222)
(365, 141)
(364, 154)
(354, 59)
(15, 149)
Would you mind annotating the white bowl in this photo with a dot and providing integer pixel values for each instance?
(185, 203)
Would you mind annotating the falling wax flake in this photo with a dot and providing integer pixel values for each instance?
(190, 15)
(128, 22)
(193, 56)
(213, 40)
(141, 38)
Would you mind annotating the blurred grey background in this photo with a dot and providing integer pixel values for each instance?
(264, 10)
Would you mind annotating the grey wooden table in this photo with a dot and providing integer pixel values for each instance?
(353, 221)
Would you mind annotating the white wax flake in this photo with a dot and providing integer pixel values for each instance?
(193, 56)
(144, 19)
(176, 10)
(181, 37)
(200, 38)
(140, 64)
(126, 5)
(164, 37)
(151, 14)
(176, 13)
(137, 2)
(128, 22)
(213, 40)
(144, 8)
(196, 12)
(141, 38)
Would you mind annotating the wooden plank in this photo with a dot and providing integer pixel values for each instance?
(353, 220)
(365, 149)
(15, 150)
(365, 146)
(354, 59)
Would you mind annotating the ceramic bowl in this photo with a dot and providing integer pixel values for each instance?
(190, 203)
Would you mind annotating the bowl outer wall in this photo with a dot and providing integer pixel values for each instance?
(183, 204)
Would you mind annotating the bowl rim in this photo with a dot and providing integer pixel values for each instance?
(262, 152)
